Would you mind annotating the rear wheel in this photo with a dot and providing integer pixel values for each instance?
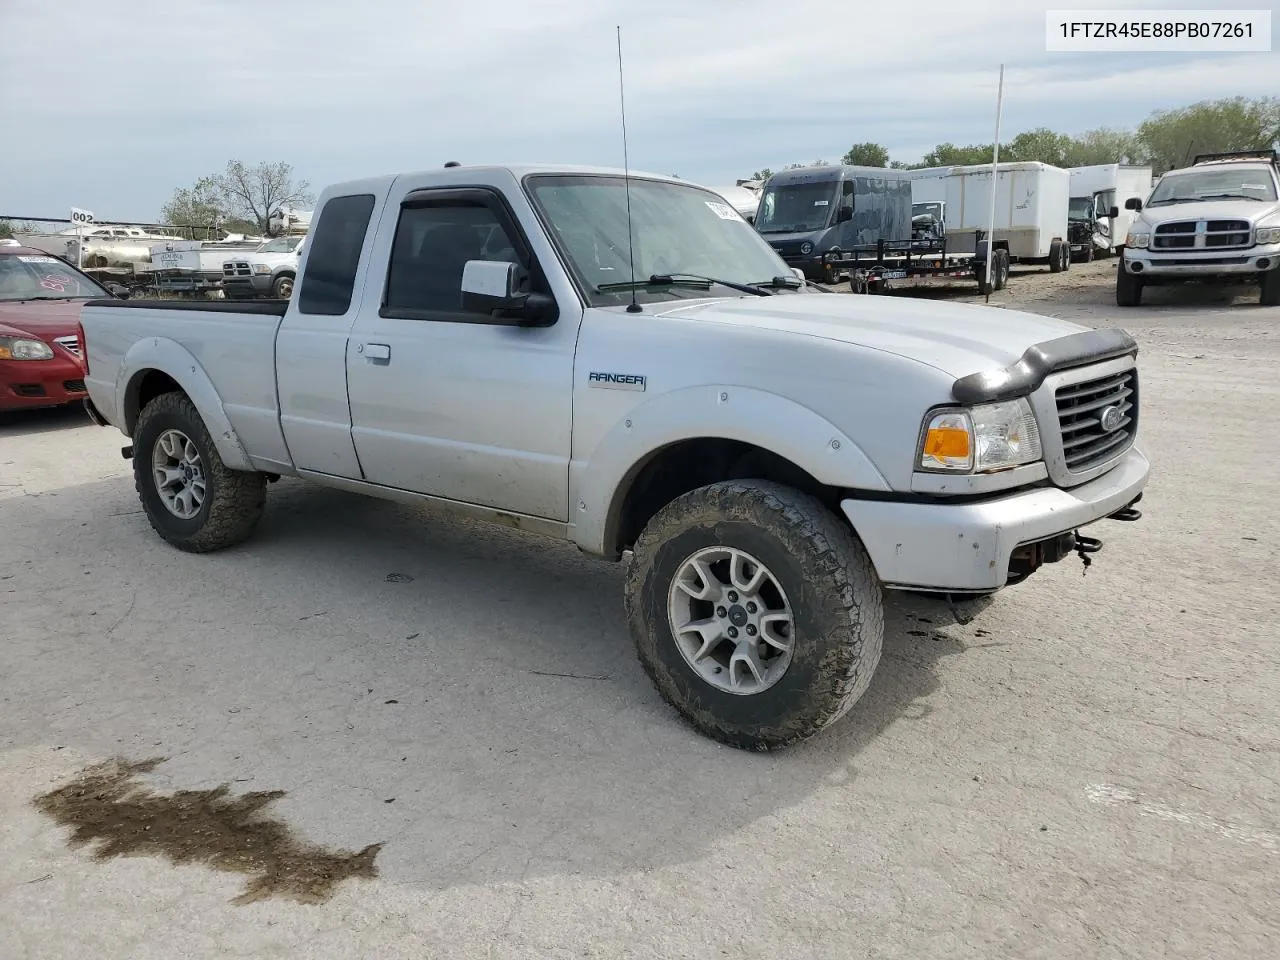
(192, 499)
(755, 611)
(1128, 287)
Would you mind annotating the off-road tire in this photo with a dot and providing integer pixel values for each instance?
(835, 596)
(233, 501)
(1269, 288)
(1128, 286)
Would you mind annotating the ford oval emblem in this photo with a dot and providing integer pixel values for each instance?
(1110, 419)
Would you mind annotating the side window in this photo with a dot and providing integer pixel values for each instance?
(846, 195)
(336, 241)
(432, 246)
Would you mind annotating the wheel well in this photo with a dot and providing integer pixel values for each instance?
(676, 469)
(144, 388)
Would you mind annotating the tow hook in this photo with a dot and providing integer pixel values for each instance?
(1128, 515)
(127, 452)
(1084, 547)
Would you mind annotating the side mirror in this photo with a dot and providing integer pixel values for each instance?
(1113, 212)
(844, 215)
(497, 287)
(1133, 203)
(119, 291)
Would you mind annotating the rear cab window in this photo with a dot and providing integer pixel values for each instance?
(336, 241)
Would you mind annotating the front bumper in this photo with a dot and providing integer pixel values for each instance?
(29, 384)
(967, 547)
(245, 288)
(1188, 263)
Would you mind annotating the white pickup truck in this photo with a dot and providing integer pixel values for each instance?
(625, 364)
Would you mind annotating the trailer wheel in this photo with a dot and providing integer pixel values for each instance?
(1055, 256)
(1000, 270)
(1270, 284)
(1128, 287)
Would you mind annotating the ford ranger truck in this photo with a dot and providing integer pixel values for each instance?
(623, 363)
(1215, 221)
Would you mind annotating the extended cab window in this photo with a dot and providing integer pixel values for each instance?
(336, 241)
(432, 245)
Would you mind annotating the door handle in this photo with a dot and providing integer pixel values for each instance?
(375, 352)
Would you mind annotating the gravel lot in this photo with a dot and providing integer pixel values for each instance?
(1089, 769)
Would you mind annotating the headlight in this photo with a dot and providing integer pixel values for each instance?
(1138, 240)
(261, 268)
(806, 248)
(993, 436)
(19, 348)
(1267, 235)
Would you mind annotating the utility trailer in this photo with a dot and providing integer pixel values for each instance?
(871, 267)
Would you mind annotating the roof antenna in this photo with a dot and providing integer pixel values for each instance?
(633, 307)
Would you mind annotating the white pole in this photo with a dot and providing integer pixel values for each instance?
(995, 161)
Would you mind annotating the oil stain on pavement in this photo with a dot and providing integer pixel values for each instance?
(107, 807)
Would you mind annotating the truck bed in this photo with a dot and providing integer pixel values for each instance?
(233, 344)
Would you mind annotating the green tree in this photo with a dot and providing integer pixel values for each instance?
(761, 175)
(1104, 145)
(6, 230)
(1041, 145)
(1172, 138)
(866, 155)
(949, 155)
(242, 197)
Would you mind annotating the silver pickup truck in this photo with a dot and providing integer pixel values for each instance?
(625, 364)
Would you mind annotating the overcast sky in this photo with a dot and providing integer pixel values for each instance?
(110, 105)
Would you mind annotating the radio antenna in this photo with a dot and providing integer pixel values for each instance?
(634, 306)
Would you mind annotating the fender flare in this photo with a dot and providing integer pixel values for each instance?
(599, 483)
(177, 362)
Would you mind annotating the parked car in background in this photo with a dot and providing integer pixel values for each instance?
(268, 271)
(40, 300)
(808, 212)
(1215, 221)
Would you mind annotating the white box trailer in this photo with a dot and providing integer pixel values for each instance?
(1031, 210)
(1109, 185)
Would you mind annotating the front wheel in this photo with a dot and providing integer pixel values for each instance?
(1270, 284)
(192, 499)
(1128, 287)
(282, 289)
(755, 611)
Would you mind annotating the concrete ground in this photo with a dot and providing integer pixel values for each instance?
(1089, 769)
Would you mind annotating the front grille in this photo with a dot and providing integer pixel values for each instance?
(236, 268)
(1198, 234)
(1081, 406)
(73, 386)
(70, 344)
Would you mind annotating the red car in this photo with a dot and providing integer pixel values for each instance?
(40, 300)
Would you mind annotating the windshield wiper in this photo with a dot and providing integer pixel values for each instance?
(1229, 196)
(1153, 203)
(682, 280)
(780, 283)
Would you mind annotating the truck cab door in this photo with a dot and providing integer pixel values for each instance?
(311, 346)
(450, 401)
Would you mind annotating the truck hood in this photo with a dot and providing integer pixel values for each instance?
(42, 319)
(1251, 210)
(956, 338)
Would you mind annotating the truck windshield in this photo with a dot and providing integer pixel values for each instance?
(927, 208)
(1079, 208)
(280, 245)
(796, 207)
(1243, 183)
(38, 277)
(677, 230)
